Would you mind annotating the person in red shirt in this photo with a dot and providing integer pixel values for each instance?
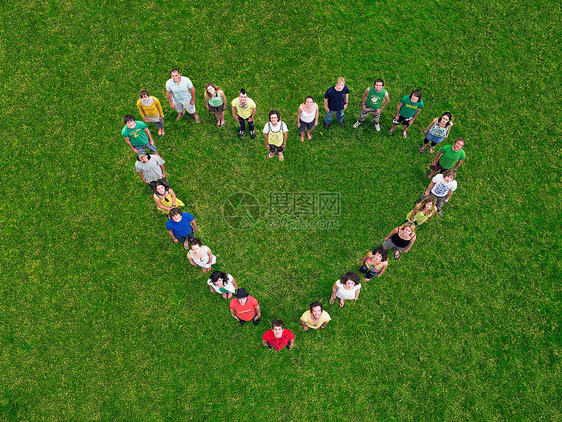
(245, 308)
(278, 337)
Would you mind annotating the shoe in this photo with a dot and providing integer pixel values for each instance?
(440, 213)
(356, 124)
(252, 134)
(241, 134)
(342, 123)
(270, 155)
(377, 127)
(281, 157)
(390, 132)
(326, 125)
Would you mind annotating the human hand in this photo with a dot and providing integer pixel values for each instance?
(146, 121)
(172, 105)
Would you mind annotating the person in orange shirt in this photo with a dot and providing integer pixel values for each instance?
(245, 308)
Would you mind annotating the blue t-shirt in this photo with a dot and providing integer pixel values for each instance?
(183, 228)
(336, 99)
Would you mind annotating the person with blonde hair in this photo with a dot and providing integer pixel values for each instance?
(423, 211)
(335, 101)
(400, 239)
(215, 101)
(150, 110)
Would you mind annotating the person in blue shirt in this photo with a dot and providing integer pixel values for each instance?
(181, 226)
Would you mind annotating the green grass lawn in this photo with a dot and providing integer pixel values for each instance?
(103, 318)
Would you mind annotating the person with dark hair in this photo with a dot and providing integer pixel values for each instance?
(408, 109)
(245, 308)
(441, 188)
(181, 95)
(278, 337)
(165, 198)
(307, 117)
(150, 169)
(448, 157)
(215, 101)
(181, 226)
(275, 135)
(150, 110)
(200, 255)
(437, 131)
(223, 284)
(346, 288)
(336, 100)
(244, 110)
(400, 239)
(137, 135)
(375, 99)
(316, 317)
(374, 263)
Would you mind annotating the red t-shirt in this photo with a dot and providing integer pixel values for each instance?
(246, 311)
(278, 343)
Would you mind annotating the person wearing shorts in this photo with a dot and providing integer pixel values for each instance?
(307, 117)
(275, 135)
(441, 188)
(408, 109)
(448, 157)
(181, 226)
(181, 95)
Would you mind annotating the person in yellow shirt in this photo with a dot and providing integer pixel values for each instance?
(244, 110)
(315, 318)
(151, 110)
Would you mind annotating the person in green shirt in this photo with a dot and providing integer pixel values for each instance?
(408, 109)
(137, 135)
(375, 99)
(448, 157)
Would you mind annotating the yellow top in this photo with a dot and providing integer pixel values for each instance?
(153, 111)
(246, 111)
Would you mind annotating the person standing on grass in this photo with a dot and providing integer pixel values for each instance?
(400, 239)
(223, 284)
(150, 169)
(200, 255)
(278, 337)
(165, 198)
(307, 117)
(448, 157)
(181, 226)
(375, 99)
(275, 135)
(316, 317)
(335, 101)
(346, 288)
(441, 188)
(374, 263)
(137, 135)
(150, 110)
(216, 102)
(408, 109)
(244, 110)
(423, 211)
(245, 308)
(437, 131)
(181, 95)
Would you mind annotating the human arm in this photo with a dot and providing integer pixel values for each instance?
(141, 111)
(316, 116)
(264, 342)
(130, 145)
(284, 140)
(448, 195)
(193, 224)
(234, 113)
(431, 184)
(412, 215)
(304, 326)
(291, 344)
(159, 107)
(346, 99)
(234, 284)
(384, 102)
(334, 291)
(357, 293)
(383, 269)
(233, 313)
(400, 104)
(266, 137)
(159, 204)
(418, 111)
(221, 93)
(141, 175)
(391, 233)
(364, 98)
(163, 171)
(431, 124)
(149, 135)
(412, 240)
(174, 238)
(326, 105)
(173, 195)
(299, 111)
(192, 262)
(258, 311)
(169, 95)
(437, 157)
(251, 118)
(369, 254)
(192, 90)
(448, 130)
(324, 324)
(458, 164)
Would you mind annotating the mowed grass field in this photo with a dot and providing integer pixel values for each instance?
(103, 318)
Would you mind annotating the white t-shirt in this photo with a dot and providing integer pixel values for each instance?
(442, 188)
(180, 92)
(227, 285)
(343, 293)
(281, 126)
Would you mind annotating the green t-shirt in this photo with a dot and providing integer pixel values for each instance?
(137, 136)
(409, 108)
(375, 99)
(450, 157)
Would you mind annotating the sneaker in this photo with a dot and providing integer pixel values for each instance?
(377, 127)
(252, 134)
(342, 123)
(356, 124)
(270, 155)
(440, 213)
(241, 134)
(281, 157)
(326, 125)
